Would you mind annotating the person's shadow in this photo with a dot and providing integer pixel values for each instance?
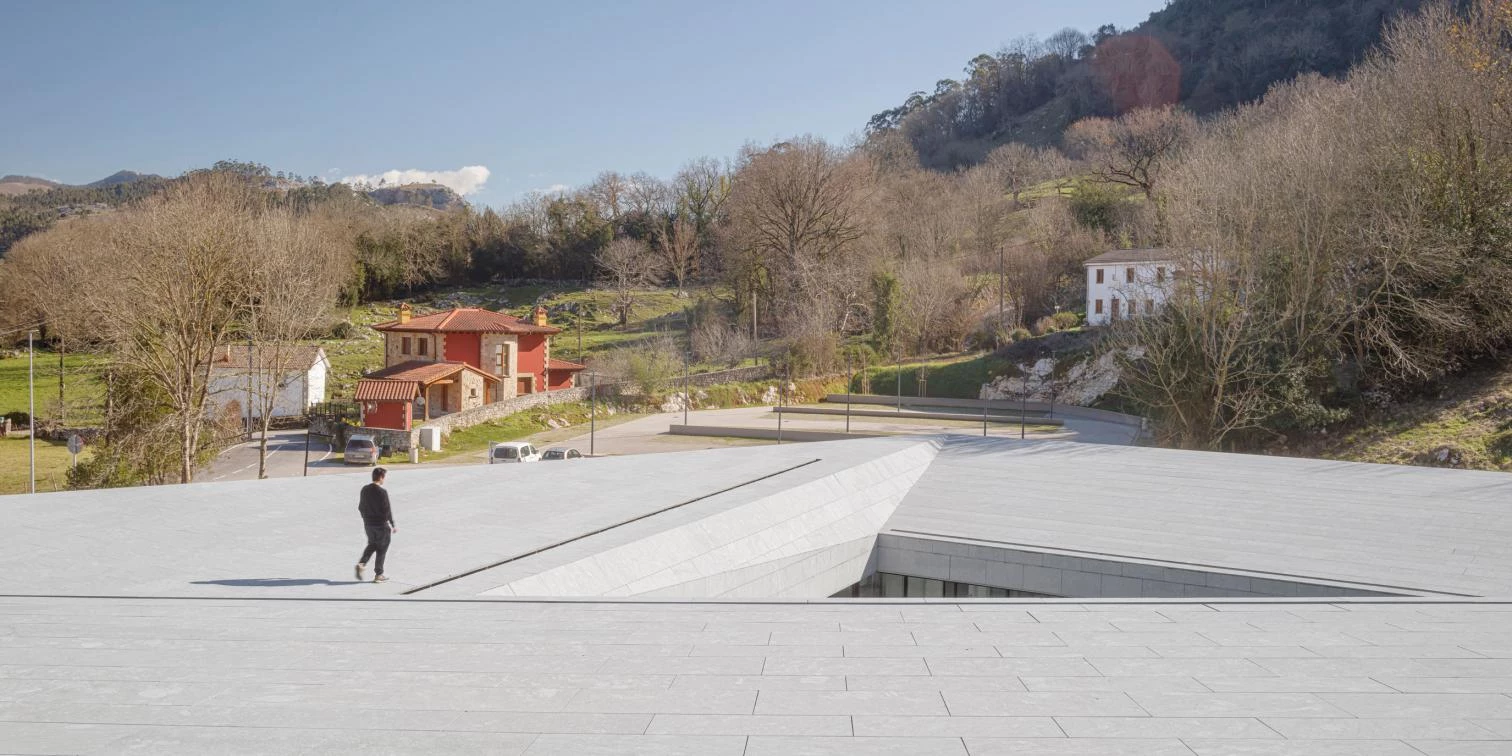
(276, 582)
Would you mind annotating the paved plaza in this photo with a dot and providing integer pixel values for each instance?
(676, 604)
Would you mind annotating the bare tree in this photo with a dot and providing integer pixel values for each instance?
(797, 215)
(1133, 149)
(293, 273)
(625, 267)
(1018, 167)
(168, 297)
(676, 244)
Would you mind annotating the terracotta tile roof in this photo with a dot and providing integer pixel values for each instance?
(466, 320)
(1133, 256)
(564, 366)
(297, 356)
(419, 371)
(380, 390)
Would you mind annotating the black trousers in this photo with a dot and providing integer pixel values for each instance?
(378, 542)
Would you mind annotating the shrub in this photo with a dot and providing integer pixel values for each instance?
(18, 419)
(1020, 334)
(1045, 326)
(814, 354)
(1065, 321)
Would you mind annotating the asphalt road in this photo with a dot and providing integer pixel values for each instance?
(648, 435)
(286, 454)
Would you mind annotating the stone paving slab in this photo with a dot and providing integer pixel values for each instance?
(107, 676)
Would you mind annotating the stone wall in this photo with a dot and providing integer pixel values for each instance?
(488, 412)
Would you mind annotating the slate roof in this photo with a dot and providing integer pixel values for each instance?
(1118, 256)
(234, 357)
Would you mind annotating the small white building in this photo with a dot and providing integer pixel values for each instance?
(1127, 283)
(234, 377)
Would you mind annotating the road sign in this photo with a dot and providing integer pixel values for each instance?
(75, 444)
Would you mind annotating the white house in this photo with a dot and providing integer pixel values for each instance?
(234, 377)
(1127, 283)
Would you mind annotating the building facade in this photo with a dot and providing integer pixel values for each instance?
(241, 375)
(459, 359)
(1128, 283)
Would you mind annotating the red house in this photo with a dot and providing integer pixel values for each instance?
(459, 359)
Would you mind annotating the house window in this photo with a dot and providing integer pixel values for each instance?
(1099, 307)
(404, 345)
(1160, 274)
(1132, 302)
(1115, 308)
(1129, 276)
(1099, 275)
(424, 347)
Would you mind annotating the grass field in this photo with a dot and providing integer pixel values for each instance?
(52, 465)
(83, 390)
(956, 378)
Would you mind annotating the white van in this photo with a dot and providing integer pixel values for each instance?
(512, 451)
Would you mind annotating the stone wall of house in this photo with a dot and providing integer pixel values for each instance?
(474, 390)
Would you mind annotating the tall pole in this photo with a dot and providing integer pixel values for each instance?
(1002, 297)
(755, 338)
(899, 376)
(1023, 410)
(687, 397)
(580, 336)
(31, 422)
(984, 419)
(593, 410)
(848, 378)
(307, 452)
(781, 405)
(249, 389)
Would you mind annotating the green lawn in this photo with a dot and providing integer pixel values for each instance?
(959, 378)
(83, 389)
(518, 426)
(52, 465)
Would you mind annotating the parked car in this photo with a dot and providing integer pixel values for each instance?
(560, 452)
(512, 451)
(360, 450)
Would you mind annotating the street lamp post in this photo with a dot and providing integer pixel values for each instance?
(31, 422)
(687, 397)
(849, 378)
(593, 410)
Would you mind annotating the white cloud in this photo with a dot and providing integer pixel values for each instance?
(465, 180)
(553, 189)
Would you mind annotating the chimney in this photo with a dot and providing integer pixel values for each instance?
(405, 311)
(540, 316)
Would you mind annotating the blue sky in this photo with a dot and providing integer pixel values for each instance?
(542, 94)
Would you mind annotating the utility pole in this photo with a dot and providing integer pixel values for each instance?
(687, 397)
(984, 419)
(307, 452)
(593, 409)
(1002, 298)
(31, 422)
(755, 337)
(580, 336)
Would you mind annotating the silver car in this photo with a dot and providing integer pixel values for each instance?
(360, 450)
(557, 453)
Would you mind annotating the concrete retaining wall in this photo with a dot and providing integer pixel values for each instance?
(767, 434)
(1002, 405)
(991, 417)
(1077, 576)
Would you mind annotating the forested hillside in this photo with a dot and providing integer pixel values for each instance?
(1205, 55)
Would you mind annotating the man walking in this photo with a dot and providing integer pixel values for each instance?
(378, 521)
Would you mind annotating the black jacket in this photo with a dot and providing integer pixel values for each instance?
(374, 506)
